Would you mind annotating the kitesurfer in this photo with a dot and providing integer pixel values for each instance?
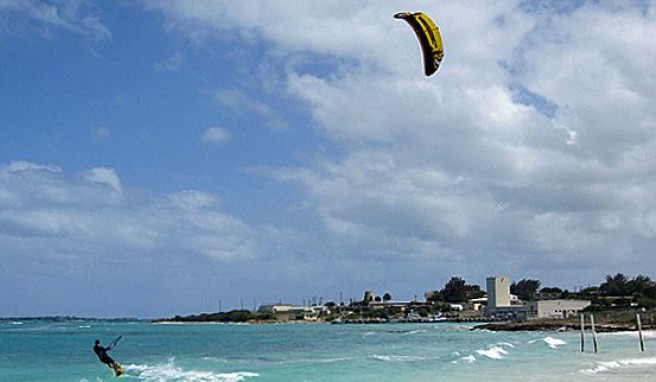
(101, 352)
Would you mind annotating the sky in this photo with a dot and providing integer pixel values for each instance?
(167, 157)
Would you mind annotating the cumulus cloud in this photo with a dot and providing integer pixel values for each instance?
(73, 240)
(92, 210)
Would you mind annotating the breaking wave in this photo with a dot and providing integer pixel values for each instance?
(629, 365)
(495, 351)
(551, 342)
(398, 358)
(169, 372)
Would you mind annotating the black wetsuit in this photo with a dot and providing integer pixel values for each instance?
(101, 352)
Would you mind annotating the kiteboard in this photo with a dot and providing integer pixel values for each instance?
(118, 369)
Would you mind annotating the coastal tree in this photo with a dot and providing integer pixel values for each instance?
(643, 290)
(589, 292)
(525, 289)
(642, 285)
(434, 296)
(473, 291)
(387, 297)
(551, 290)
(454, 290)
(615, 286)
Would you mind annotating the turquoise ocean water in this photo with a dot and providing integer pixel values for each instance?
(61, 351)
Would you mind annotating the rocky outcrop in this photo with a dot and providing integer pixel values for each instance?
(552, 326)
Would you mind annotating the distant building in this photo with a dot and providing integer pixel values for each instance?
(556, 308)
(501, 304)
(276, 308)
(369, 297)
(548, 295)
(477, 304)
(498, 291)
(306, 313)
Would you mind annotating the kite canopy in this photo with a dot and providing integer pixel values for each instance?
(429, 37)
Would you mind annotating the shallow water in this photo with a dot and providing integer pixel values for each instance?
(56, 351)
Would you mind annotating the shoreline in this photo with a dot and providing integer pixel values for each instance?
(562, 326)
(540, 325)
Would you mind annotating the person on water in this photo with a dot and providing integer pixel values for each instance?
(101, 352)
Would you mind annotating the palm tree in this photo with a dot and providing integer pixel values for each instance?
(615, 285)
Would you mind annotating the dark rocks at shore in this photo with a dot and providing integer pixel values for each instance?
(553, 326)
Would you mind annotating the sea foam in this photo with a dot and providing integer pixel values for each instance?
(171, 373)
(551, 342)
(468, 359)
(554, 342)
(398, 358)
(494, 352)
(627, 364)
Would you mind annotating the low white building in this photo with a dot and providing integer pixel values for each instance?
(501, 304)
(276, 308)
(308, 313)
(556, 308)
(540, 309)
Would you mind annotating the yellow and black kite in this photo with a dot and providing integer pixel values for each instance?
(429, 37)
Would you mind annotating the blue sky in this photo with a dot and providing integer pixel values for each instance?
(157, 157)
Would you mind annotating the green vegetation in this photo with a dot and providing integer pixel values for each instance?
(454, 291)
(525, 289)
(232, 316)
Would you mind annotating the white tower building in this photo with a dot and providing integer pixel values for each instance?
(498, 291)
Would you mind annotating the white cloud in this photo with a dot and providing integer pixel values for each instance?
(72, 15)
(24, 166)
(238, 101)
(105, 176)
(51, 206)
(216, 135)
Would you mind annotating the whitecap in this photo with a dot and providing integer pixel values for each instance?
(554, 343)
(415, 331)
(398, 358)
(468, 359)
(601, 367)
(646, 334)
(170, 372)
(494, 352)
(635, 363)
(639, 362)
